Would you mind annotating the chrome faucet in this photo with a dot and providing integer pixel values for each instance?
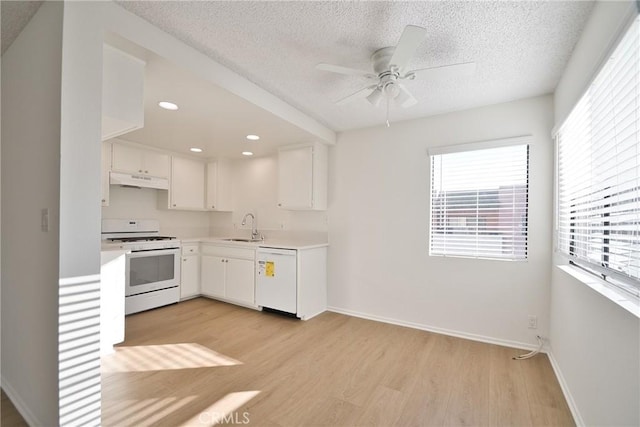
(254, 230)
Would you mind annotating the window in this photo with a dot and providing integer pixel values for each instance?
(598, 153)
(479, 200)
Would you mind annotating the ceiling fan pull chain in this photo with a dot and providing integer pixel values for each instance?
(388, 100)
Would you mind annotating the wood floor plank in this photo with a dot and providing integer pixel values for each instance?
(428, 400)
(332, 370)
(546, 401)
(9, 415)
(509, 405)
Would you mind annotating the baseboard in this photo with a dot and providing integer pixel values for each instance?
(457, 334)
(17, 401)
(565, 390)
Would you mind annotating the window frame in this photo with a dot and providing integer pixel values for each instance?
(475, 146)
(625, 286)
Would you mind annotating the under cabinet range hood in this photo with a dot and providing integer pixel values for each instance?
(141, 181)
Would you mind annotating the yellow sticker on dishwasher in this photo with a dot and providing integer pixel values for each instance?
(269, 269)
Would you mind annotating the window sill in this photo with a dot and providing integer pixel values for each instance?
(628, 302)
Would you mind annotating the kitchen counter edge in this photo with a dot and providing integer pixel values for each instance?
(277, 243)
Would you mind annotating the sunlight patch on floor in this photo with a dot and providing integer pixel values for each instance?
(223, 411)
(164, 357)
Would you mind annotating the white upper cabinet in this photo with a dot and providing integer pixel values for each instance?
(302, 177)
(122, 93)
(187, 184)
(130, 159)
(219, 185)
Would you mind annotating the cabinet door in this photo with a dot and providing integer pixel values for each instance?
(156, 164)
(187, 184)
(190, 276)
(212, 275)
(126, 159)
(295, 178)
(105, 168)
(240, 283)
(212, 185)
(219, 185)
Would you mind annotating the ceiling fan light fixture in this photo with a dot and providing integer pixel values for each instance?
(404, 98)
(375, 97)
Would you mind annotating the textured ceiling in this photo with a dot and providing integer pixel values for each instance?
(15, 15)
(520, 48)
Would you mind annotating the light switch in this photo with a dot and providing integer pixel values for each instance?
(44, 220)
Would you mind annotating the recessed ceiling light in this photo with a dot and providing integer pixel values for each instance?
(168, 105)
(196, 150)
(247, 153)
(253, 137)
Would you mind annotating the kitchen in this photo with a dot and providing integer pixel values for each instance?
(195, 195)
(377, 221)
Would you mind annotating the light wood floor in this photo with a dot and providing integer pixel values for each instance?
(203, 361)
(9, 415)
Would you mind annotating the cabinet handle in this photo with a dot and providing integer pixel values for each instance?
(174, 205)
(213, 207)
(184, 259)
(140, 170)
(103, 200)
(146, 171)
(279, 204)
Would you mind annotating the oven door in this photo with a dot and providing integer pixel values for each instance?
(152, 270)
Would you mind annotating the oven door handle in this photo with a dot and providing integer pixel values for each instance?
(152, 252)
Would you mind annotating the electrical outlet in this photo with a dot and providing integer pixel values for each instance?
(533, 321)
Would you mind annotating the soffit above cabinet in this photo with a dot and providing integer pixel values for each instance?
(208, 116)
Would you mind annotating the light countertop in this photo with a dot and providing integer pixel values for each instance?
(299, 243)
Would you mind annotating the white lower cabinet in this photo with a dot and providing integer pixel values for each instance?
(190, 271)
(212, 276)
(228, 273)
(240, 280)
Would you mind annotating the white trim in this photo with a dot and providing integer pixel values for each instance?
(481, 145)
(607, 290)
(428, 328)
(18, 402)
(577, 418)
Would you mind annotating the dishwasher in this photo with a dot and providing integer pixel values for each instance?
(276, 282)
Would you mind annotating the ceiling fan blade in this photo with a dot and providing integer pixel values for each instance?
(345, 70)
(456, 70)
(359, 94)
(409, 41)
(404, 98)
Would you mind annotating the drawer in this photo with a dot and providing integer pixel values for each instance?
(190, 249)
(228, 252)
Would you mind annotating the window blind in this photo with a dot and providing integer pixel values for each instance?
(479, 201)
(598, 153)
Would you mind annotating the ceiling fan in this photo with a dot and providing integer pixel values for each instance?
(389, 69)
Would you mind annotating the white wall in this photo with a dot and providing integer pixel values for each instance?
(595, 345)
(379, 223)
(31, 85)
(143, 204)
(255, 189)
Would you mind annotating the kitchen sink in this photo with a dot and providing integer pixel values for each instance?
(242, 240)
